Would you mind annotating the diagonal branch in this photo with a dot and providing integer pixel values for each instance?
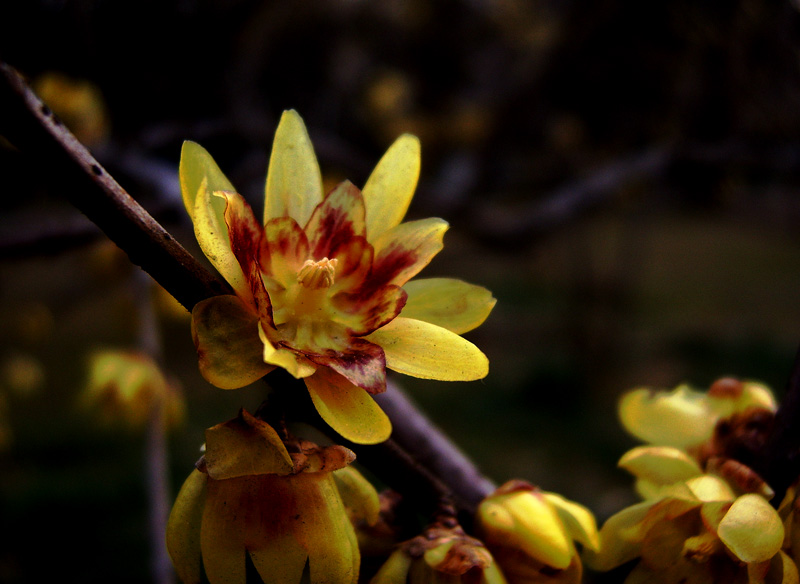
(30, 126)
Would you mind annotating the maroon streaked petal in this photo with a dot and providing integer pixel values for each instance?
(363, 315)
(246, 238)
(285, 249)
(355, 261)
(401, 252)
(362, 364)
(336, 219)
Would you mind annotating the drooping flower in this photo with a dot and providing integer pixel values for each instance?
(532, 533)
(252, 497)
(443, 553)
(322, 286)
(706, 516)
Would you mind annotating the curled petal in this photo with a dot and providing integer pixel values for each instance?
(294, 181)
(183, 528)
(577, 519)
(362, 363)
(661, 465)
(424, 350)
(449, 303)
(197, 169)
(337, 219)
(226, 337)
(347, 408)
(362, 315)
(752, 529)
(297, 365)
(245, 239)
(621, 538)
(401, 252)
(358, 495)
(245, 446)
(390, 187)
(679, 418)
(212, 235)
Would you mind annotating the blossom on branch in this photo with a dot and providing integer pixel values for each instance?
(252, 497)
(322, 284)
(706, 515)
(532, 533)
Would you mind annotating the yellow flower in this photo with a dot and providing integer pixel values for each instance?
(127, 385)
(699, 531)
(706, 515)
(252, 497)
(531, 533)
(322, 287)
(441, 554)
(684, 417)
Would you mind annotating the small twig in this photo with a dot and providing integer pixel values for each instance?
(155, 459)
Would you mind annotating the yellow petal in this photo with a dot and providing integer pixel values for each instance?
(742, 395)
(358, 495)
(347, 408)
(245, 446)
(621, 538)
(710, 488)
(394, 570)
(327, 532)
(196, 166)
(183, 528)
(527, 521)
(200, 177)
(449, 303)
(578, 520)
(680, 418)
(427, 351)
(404, 250)
(661, 465)
(296, 365)
(227, 520)
(390, 187)
(294, 181)
(225, 335)
(752, 529)
(281, 560)
(783, 570)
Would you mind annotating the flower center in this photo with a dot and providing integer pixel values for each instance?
(315, 275)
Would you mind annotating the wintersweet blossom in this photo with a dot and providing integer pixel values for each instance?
(531, 534)
(251, 497)
(322, 284)
(706, 515)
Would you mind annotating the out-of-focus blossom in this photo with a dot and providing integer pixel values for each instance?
(531, 533)
(78, 103)
(251, 497)
(441, 554)
(322, 286)
(706, 515)
(129, 386)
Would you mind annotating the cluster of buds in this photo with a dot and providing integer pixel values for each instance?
(706, 514)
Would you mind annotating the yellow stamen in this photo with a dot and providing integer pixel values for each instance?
(317, 274)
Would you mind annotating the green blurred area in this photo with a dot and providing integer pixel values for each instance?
(688, 270)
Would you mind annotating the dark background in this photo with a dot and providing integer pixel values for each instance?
(624, 176)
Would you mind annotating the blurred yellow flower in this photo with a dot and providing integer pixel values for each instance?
(706, 515)
(128, 386)
(251, 497)
(322, 286)
(532, 533)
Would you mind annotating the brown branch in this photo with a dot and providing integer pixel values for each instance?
(30, 125)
